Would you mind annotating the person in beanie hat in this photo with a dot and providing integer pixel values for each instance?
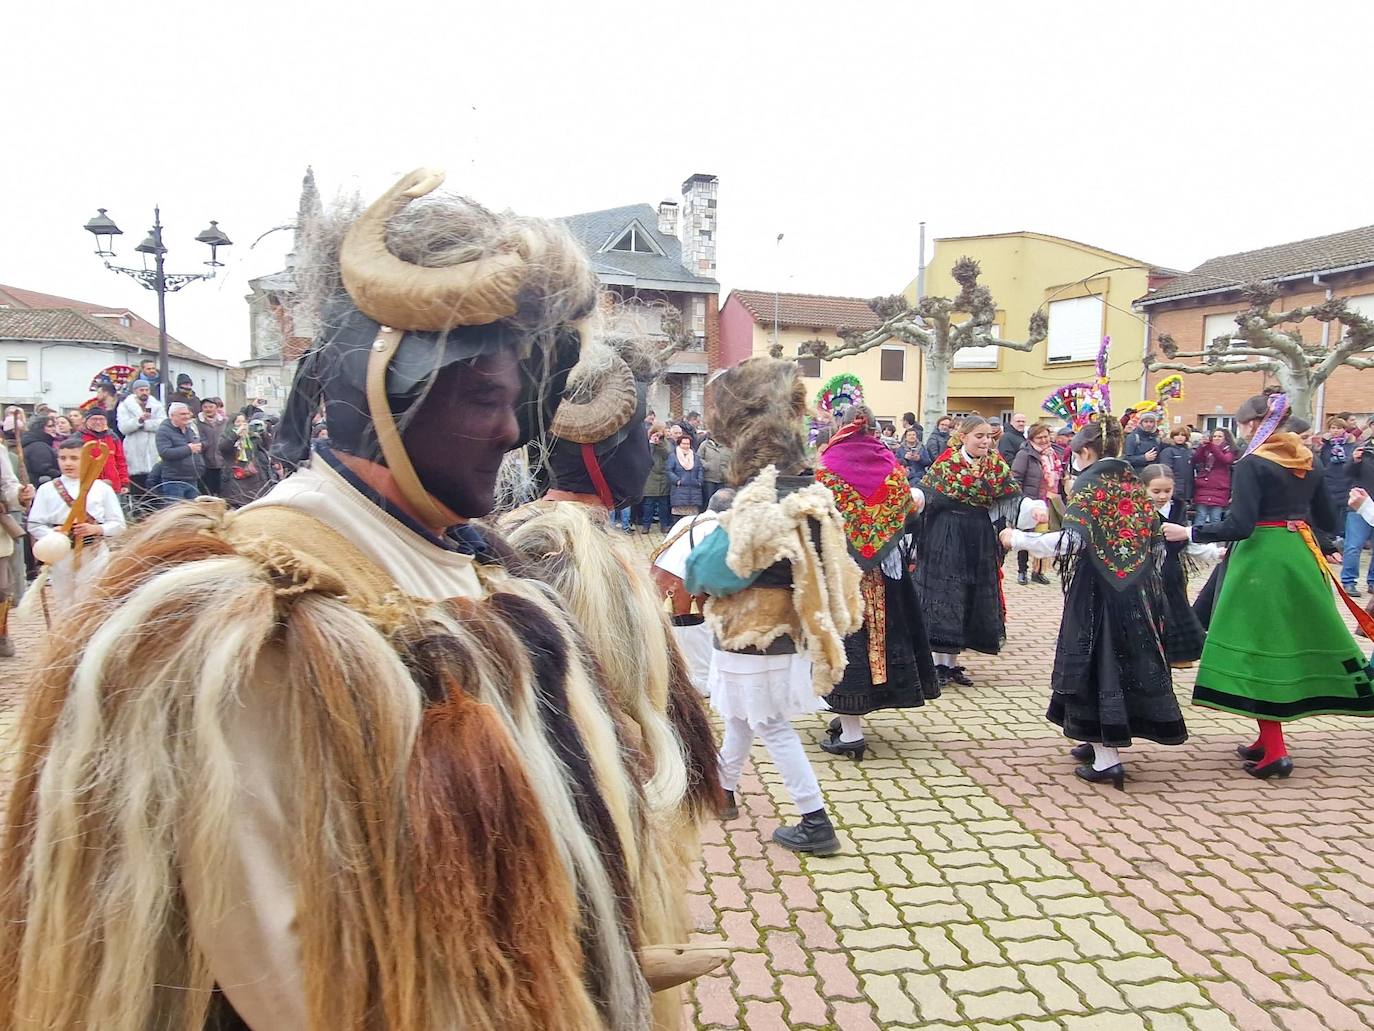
(116, 470)
(186, 394)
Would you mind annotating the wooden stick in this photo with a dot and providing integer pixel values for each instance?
(94, 455)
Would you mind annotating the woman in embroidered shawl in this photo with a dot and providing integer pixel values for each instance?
(959, 571)
(1111, 682)
(889, 663)
(1277, 649)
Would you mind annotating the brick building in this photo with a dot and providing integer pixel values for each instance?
(1198, 306)
(660, 268)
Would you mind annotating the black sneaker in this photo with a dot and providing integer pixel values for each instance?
(958, 676)
(1353, 590)
(815, 835)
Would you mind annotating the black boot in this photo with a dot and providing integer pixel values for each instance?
(814, 835)
(730, 810)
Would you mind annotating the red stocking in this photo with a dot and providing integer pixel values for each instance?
(1271, 740)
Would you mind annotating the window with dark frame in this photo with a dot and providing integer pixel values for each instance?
(892, 367)
(810, 368)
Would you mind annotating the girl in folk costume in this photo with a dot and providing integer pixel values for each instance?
(1183, 631)
(783, 592)
(1111, 682)
(1277, 649)
(958, 576)
(889, 663)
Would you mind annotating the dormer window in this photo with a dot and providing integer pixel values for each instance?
(636, 240)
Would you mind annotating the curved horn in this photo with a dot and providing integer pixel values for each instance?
(613, 405)
(414, 297)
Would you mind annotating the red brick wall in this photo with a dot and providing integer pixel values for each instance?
(1347, 390)
(713, 344)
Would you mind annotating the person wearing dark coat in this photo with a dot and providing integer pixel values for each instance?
(1013, 438)
(1337, 457)
(912, 455)
(186, 394)
(938, 441)
(1357, 531)
(1142, 443)
(179, 447)
(1177, 457)
(656, 483)
(40, 451)
(243, 459)
(685, 479)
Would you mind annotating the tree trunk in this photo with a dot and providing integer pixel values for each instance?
(1297, 384)
(935, 397)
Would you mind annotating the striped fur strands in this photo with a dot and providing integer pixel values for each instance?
(606, 587)
(456, 811)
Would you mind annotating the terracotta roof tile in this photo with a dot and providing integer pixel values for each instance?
(813, 311)
(53, 324)
(1300, 258)
(140, 333)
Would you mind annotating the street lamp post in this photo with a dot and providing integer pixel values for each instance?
(157, 278)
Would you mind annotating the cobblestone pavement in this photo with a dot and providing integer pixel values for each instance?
(982, 886)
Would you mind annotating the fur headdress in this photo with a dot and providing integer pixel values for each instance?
(757, 408)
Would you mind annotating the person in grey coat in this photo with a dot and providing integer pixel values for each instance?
(715, 459)
(180, 448)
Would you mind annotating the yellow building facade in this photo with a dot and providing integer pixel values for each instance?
(1086, 292)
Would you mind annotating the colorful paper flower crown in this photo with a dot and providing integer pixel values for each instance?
(1080, 403)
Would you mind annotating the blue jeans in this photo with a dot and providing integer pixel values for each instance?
(658, 508)
(1357, 534)
(1210, 514)
(621, 517)
(178, 490)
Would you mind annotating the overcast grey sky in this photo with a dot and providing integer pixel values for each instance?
(1168, 131)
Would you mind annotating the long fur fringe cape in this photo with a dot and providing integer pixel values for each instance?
(605, 584)
(471, 823)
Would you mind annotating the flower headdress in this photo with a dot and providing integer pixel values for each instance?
(1080, 403)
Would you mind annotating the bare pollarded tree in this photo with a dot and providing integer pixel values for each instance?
(940, 326)
(1262, 344)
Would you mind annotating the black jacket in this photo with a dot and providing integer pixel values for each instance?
(1011, 444)
(40, 456)
(1179, 459)
(1338, 464)
(1265, 492)
(174, 448)
(1138, 443)
(936, 445)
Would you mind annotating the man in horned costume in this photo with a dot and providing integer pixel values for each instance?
(362, 775)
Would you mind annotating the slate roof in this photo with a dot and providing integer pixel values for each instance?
(53, 324)
(809, 310)
(140, 334)
(597, 229)
(1285, 261)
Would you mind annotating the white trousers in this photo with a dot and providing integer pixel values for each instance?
(785, 747)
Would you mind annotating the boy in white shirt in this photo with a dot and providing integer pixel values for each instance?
(104, 518)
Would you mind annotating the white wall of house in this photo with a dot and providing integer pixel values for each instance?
(59, 374)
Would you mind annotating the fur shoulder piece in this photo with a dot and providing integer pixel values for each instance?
(826, 600)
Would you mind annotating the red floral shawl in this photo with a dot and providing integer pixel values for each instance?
(871, 491)
(980, 482)
(1112, 513)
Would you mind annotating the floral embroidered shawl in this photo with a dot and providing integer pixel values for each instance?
(871, 491)
(1113, 515)
(980, 482)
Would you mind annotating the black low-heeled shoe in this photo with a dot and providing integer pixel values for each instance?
(1250, 753)
(958, 676)
(1281, 768)
(1084, 753)
(833, 729)
(853, 749)
(1115, 774)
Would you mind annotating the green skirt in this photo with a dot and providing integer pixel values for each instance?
(1277, 649)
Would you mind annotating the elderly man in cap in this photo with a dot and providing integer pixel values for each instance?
(140, 414)
(1142, 443)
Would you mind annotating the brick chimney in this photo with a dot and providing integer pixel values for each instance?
(699, 224)
(667, 217)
